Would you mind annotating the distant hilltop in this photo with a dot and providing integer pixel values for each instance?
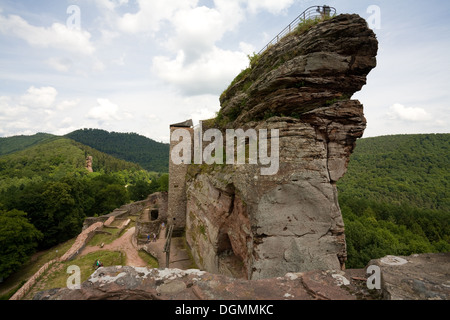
(132, 147)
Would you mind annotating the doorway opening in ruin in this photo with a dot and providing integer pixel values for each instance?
(154, 214)
(229, 263)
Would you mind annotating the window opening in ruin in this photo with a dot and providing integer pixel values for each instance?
(154, 214)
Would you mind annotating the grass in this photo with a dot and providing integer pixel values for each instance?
(108, 258)
(100, 238)
(149, 259)
(309, 23)
(202, 230)
(116, 223)
(58, 278)
(11, 292)
(11, 284)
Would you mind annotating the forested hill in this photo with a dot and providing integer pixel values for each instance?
(395, 197)
(149, 154)
(54, 158)
(411, 169)
(46, 192)
(17, 143)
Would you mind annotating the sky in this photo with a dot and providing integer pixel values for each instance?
(141, 65)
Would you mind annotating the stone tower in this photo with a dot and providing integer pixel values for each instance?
(177, 182)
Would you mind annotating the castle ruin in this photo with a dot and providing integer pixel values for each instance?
(243, 224)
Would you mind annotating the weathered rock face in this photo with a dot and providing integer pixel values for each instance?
(418, 277)
(244, 224)
(304, 71)
(133, 283)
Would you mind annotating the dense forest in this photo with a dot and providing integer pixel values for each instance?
(149, 154)
(46, 193)
(395, 197)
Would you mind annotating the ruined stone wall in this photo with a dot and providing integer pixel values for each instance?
(81, 241)
(124, 211)
(83, 238)
(150, 219)
(177, 189)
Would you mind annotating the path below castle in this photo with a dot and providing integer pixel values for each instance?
(124, 244)
(179, 257)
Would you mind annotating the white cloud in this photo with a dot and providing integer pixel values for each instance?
(43, 97)
(38, 110)
(110, 4)
(23, 123)
(200, 66)
(210, 74)
(441, 123)
(151, 14)
(198, 29)
(62, 65)
(67, 104)
(9, 111)
(4, 103)
(56, 36)
(64, 130)
(203, 114)
(247, 48)
(152, 118)
(104, 111)
(272, 6)
(400, 112)
(66, 121)
(119, 61)
(98, 66)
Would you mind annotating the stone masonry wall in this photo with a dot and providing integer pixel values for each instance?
(177, 189)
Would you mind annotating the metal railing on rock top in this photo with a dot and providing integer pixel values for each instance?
(310, 13)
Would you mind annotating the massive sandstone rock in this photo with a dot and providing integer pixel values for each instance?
(134, 283)
(304, 71)
(243, 224)
(418, 277)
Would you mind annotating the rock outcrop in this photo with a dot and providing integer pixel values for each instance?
(89, 164)
(244, 224)
(304, 71)
(417, 277)
(423, 277)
